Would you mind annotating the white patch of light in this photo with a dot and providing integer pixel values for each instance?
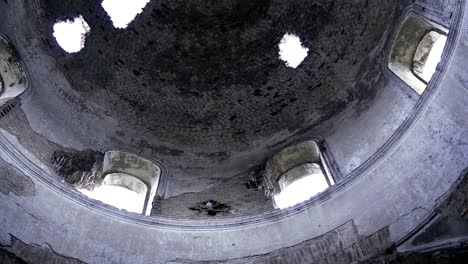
(301, 190)
(434, 58)
(122, 12)
(70, 34)
(118, 197)
(292, 51)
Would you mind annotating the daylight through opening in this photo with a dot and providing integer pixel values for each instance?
(119, 197)
(292, 51)
(122, 12)
(434, 58)
(71, 34)
(301, 190)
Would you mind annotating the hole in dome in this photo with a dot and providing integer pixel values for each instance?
(71, 34)
(292, 51)
(122, 12)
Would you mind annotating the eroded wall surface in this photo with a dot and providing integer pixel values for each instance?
(411, 180)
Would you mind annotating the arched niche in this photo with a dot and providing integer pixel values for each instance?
(131, 171)
(298, 173)
(13, 78)
(414, 39)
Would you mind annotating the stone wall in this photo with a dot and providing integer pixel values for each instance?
(340, 246)
(386, 200)
(37, 254)
(457, 201)
(345, 245)
(9, 258)
(202, 122)
(238, 195)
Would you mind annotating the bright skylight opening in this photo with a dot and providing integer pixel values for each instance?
(122, 12)
(71, 34)
(119, 197)
(292, 51)
(434, 58)
(301, 190)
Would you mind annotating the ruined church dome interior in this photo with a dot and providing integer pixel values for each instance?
(233, 131)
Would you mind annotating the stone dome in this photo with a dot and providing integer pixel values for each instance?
(194, 108)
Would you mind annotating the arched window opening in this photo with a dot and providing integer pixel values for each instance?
(292, 51)
(416, 51)
(123, 12)
(128, 182)
(298, 173)
(300, 184)
(71, 34)
(13, 79)
(428, 55)
(121, 191)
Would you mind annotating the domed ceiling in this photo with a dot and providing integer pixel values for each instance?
(204, 78)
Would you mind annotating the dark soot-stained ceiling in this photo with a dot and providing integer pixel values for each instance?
(205, 76)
